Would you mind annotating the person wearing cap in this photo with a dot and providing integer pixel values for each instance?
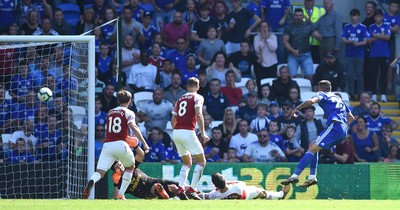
(296, 41)
(148, 30)
(309, 128)
(274, 112)
(287, 118)
(355, 36)
(312, 14)
(248, 112)
(333, 71)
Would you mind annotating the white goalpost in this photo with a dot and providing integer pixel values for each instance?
(43, 151)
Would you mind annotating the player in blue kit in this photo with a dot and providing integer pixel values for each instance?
(338, 116)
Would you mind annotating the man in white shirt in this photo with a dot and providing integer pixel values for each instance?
(158, 111)
(243, 139)
(130, 55)
(27, 134)
(143, 76)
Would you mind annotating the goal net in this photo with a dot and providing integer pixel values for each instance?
(43, 151)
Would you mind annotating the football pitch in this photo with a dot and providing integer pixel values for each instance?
(31, 204)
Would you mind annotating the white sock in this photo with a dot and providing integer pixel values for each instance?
(126, 179)
(183, 175)
(311, 177)
(274, 195)
(295, 176)
(197, 173)
(96, 176)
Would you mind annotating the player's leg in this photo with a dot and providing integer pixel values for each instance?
(197, 150)
(179, 138)
(312, 179)
(106, 159)
(127, 158)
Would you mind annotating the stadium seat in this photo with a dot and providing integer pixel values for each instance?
(242, 84)
(140, 98)
(279, 66)
(234, 109)
(345, 97)
(304, 84)
(169, 129)
(78, 113)
(7, 95)
(307, 95)
(215, 124)
(6, 137)
(71, 14)
(319, 112)
(267, 80)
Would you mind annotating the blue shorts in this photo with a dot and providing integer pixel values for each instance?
(335, 133)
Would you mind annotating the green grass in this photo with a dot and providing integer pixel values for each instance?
(204, 205)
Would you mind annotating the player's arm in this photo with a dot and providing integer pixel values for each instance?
(173, 120)
(139, 157)
(200, 122)
(305, 104)
(138, 135)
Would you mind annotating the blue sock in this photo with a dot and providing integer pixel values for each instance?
(308, 157)
(314, 164)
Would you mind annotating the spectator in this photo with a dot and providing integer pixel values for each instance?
(207, 127)
(355, 37)
(103, 61)
(157, 148)
(250, 86)
(99, 86)
(375, 120)
(166, 74)
(143, 76)
(209, 46)
(20, 155)
(164, 11)
(266, 95)
(178, 56)
(108, 100)
(312, 13)
(215, 102)
(130, 26)
(190, 69)
(41, 117)
(137, 11)
(149, 30)
(363, 108)
(333, 71)
(275, 13)
(172, 155)
(23, 7)
(155, 58)
(7, 15)
(158, 111)
(98, 39)
(280, 86)
(265, 45)
(263, 150)
(249, 111)
(48, 141)
(211, 153)
(228, 125)
(244, 59)
(175, 91)
(190, 15)
(365, 142)
(261, 121)
(32, 23)
(59, 24)
(57, 63)
(115, 77)
(220, 11)
(100, 136)
(274, 136)
(218, 142)
(274, 112)
(232, 92)
(202, 25)
(296, 41)
(243, 139)
(344, 152)
(13, 29)
(87, 21)
(294, 151)
(329, 27)
(220, 65)
(369, 8)
(99, 6)
(21, 83)
(393, 155)
(386, 141)
(158, 38)
(379, 55)
(295, 98)
(392, 19)
(130, 55)
(204, 84)
(232, 156)
(175, 30)
(238, 26)
(309, 128)
(287, 118)
(26, 133)
(108, 29)
(23, 111)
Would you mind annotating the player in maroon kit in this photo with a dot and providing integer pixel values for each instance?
(188, 110)
(118, 122)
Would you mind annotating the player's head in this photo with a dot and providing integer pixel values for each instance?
(124, 97)
(325, 86)
(193, 84)
(218, 180)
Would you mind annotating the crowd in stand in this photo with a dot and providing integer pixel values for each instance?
(165, 42)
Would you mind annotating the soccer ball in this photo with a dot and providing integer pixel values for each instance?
(44, 94)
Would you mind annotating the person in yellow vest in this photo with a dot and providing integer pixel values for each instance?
(312, 14)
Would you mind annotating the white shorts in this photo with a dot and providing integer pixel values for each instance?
(186, 142)
(252, 192)
(115, 150)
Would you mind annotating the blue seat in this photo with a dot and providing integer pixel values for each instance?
(71, 13)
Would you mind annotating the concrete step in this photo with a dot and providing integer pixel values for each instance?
(391, 112)
(384, 105)
(388, 97)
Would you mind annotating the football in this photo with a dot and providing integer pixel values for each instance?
(44, 94)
